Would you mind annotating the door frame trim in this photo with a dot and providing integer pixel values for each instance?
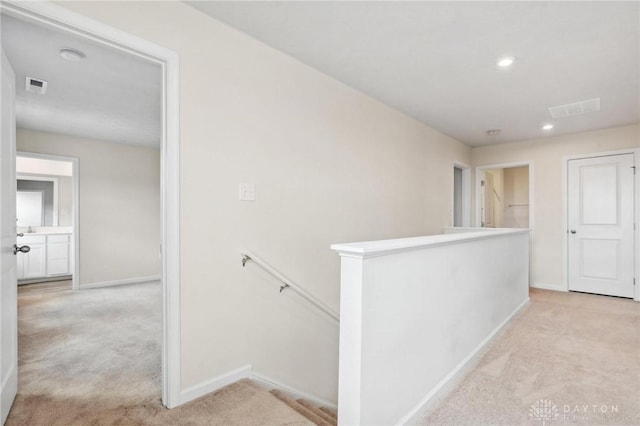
(478, 190)
(466, 194)
(565, 212)
(75, 215)
(59, 17)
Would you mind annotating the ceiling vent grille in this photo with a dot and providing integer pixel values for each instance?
(35, 85)
(577, 108)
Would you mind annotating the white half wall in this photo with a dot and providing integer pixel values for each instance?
(414, 311)
(119, 205)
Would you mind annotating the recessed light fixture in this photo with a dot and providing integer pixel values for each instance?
(547, 127)
(505, 61)
(72, 54)
(493, 132)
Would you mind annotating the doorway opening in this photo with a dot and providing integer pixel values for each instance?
(50, 226)
(461, 214)
(504, 194)
(60, 19)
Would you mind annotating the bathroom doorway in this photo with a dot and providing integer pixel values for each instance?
(47, 200)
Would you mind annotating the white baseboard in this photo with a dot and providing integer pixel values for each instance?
(246, 372)
(214, 384)
(554, 287)
(134, 280)
(8, 390)
(457, 373)
(270, 383)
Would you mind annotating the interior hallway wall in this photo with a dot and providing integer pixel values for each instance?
(546, 156)
(329, 165)
(119, 204)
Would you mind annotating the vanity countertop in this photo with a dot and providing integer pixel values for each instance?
(49, 230)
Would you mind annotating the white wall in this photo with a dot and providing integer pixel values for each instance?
(546, 156)
(329, 164)
(65, 201)
(119, 204)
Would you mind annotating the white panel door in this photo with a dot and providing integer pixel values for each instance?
(8, 282)
(600, 221)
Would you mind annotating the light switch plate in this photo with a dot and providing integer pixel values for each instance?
(247, 192)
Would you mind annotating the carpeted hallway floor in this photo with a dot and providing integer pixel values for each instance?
(579, 353)
(93, 358)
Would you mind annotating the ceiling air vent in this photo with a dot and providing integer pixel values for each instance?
(35, 86)
(577, 108)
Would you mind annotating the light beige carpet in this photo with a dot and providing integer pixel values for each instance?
(570, 358)
(93, 358)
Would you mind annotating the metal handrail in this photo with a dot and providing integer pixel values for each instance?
(287, 283)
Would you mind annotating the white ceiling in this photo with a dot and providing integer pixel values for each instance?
(437, 60)
(110, 95)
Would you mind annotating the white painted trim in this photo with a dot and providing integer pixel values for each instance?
(212, 385)
(75, 247)
(170, 233)
(565, 211)
(270, 383)
(246, 372)
(466, 194)
(554, 287)
(57, 16)
(367, 249)
(75, 215)
(457, 373)
(565, 221)
(135, 280)
(45, 178)
(636, 183)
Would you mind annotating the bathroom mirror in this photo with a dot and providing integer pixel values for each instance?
(30, 208)
(36, 201)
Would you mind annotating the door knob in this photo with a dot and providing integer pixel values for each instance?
(573, 231)
(21, 249)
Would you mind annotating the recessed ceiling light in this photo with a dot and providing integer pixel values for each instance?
(493, 132)
(547, 127)
(505, 61)
(72, 54)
